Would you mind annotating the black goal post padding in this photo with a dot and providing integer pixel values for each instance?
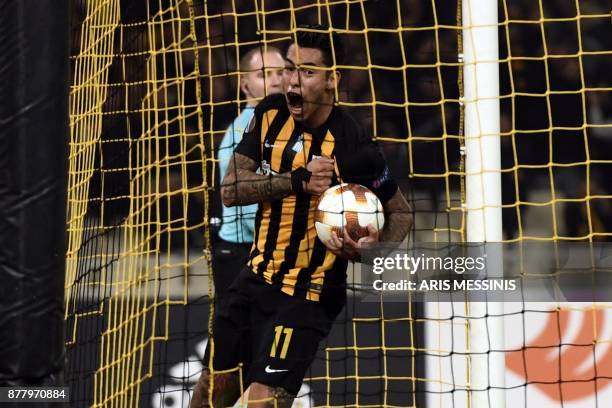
(34, 135)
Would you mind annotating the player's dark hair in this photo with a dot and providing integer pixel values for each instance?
(329, 43)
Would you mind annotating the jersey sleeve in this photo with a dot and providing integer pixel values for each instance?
(250, 145)
(367, 166)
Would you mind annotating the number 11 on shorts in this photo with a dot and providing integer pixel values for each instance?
(278, 332)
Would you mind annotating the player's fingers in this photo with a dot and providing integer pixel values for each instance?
(322, 184)
(337, 241)
(324, 166)
(331, 245)
(315, 185)
(365, 242)
(328, 163)
(323, 174)
(318, 186)
(323, 188)
(348, 240)
(326, 176)
(373, 231)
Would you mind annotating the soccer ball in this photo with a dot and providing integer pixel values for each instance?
(350, 206)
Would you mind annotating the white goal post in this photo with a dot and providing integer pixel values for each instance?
(473, 374)
(483, 193)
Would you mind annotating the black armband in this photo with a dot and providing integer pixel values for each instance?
(297, 176)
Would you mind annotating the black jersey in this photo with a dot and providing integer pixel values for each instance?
(286, 250)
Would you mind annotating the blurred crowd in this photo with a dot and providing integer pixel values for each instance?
(555, 88)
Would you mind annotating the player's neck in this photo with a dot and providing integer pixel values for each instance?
(320, 116)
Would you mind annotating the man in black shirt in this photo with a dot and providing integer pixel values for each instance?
(285, 301)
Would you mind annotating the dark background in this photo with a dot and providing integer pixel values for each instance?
(553, 88)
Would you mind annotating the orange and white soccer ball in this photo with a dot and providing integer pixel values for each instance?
(350, 206)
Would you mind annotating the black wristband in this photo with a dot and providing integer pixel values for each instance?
(297, 176)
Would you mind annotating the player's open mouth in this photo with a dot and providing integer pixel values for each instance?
(295, 102)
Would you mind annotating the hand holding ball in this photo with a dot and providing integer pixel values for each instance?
(350, 207)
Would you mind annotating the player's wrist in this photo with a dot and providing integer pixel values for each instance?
(299, 178)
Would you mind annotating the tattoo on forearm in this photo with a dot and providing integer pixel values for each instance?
(282, 399)
(242, 185)
(225, 390)
(399, 219)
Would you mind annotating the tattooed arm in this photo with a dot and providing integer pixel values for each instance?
(242, 185)
(398, 221)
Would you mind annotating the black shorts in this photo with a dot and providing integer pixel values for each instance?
(228, 259)
(271, 337)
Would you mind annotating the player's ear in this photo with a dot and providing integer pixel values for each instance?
(244, 87)
(333, 79)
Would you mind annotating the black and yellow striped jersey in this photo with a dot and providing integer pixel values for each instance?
(286, 250)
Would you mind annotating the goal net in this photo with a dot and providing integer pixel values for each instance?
(155, 85)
